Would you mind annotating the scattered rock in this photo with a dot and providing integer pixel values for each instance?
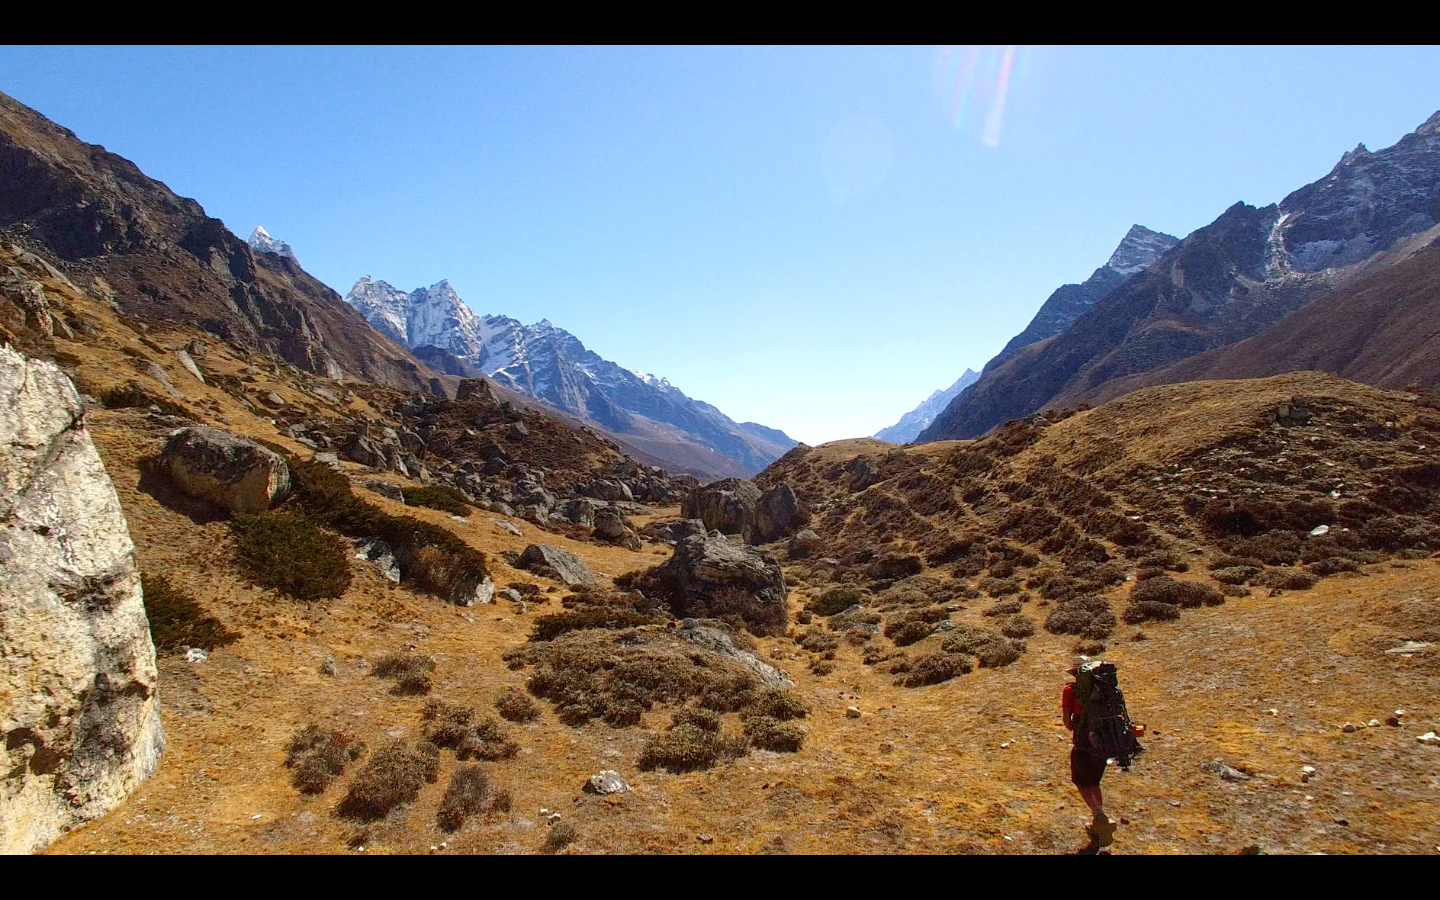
(606, 782)
(195, 655)
(273, 400)
(852, 712)
(777, 514)
(507, 526)
(376, 551)
(385, 489)
(1348, 728)
(227, 470)
(727, 506)
(720, 642)
(552, 562)
(1411, 647)
(328, 666)
(708, 568)
(1429, 738)
(804, 544)
(189, 365)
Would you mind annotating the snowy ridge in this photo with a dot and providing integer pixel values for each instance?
(1138, 249)
(550, 364)
(919, 418)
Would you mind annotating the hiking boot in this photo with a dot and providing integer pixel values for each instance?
(1102, 831)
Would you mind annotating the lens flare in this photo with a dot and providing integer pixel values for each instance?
(973, 84)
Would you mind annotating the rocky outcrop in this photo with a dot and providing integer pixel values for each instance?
(736, 506)
(225, 469)
(610, 526)
(673, 532)
(726, 506)
(805, 544)
(552, 562)
(711, 576)
(778, 514)
(79, 717)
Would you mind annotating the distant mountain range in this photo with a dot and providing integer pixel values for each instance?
(914, 422)
(1239, 277)
(550, 364)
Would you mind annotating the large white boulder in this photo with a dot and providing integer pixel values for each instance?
(79, 716)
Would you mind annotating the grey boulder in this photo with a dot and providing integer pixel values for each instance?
(224, 469)
(552, 562)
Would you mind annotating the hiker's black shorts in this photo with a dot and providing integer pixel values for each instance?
(1086, 769)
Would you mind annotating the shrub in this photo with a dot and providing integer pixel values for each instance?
(1150, 611)
(935, 668)
(1289, 581)
(437, 496)
(290, 553)
(1331, 566)
(453, 727)
(836, 600)
(769, 734)
(411, 674)
(561, 835)
(818, 640)
(1164, 559)
(177, 621)
(1235, 574)
(914, 624)
(687, 748)
(999, 587)
(393, 776)
(703, 719)
(1004, 608)
(449, 564)
(778, 705)
(1145, 573)
(1017, 627)
(991, 650)
(318, 756)
(1088, 647)
(516, 707)
(1277, 548)
(1177, 593)
(1080, 615)
(469, 793)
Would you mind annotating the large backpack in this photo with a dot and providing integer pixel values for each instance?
(1104, 727)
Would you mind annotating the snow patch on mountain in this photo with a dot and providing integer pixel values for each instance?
(261, 240)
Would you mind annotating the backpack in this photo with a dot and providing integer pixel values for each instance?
(1104, 727)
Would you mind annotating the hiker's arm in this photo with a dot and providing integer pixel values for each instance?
(1066, 712)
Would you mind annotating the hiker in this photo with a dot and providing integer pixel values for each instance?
(1094, 744)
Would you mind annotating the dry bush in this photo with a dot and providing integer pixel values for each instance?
(934, 668)
(290, 553)
(892, 566)
(769, 734)
(516, 707)
(1249, 518)
(703, 719)
(596, 673)
(599, 609)
(1145, 573)
(452, 565)
(1168, 560)
(818, 640)
(837, 600)
(393, 776)
(1276, 548)
(1234, 590)
(318, 756)
(1393, 533)
(1286, 580)
(1177, 593)
(1150, 611)
(177, 620)
(469, 793)
(1004, 608)
(990, 649)
(999, 587)
(1235, 574)
(1332, 565)
(1081, 615)
(412, 674)
(561, 835)
(688, 748)
(852, 619)
(1017, 626)
(914, 624)
(1088, 647)
(437, 496)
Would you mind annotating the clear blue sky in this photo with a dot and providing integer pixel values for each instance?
(814, 239)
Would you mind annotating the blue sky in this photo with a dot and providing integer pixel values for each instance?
(813, 239)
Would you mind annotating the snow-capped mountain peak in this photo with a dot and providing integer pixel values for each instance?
(261, 240)
(550, 364)
(1138, 249)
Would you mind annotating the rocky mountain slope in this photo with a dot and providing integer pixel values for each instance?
(916, 420)
(128, 237)
(1380, 328)
(1227, 281)
(551, 365)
